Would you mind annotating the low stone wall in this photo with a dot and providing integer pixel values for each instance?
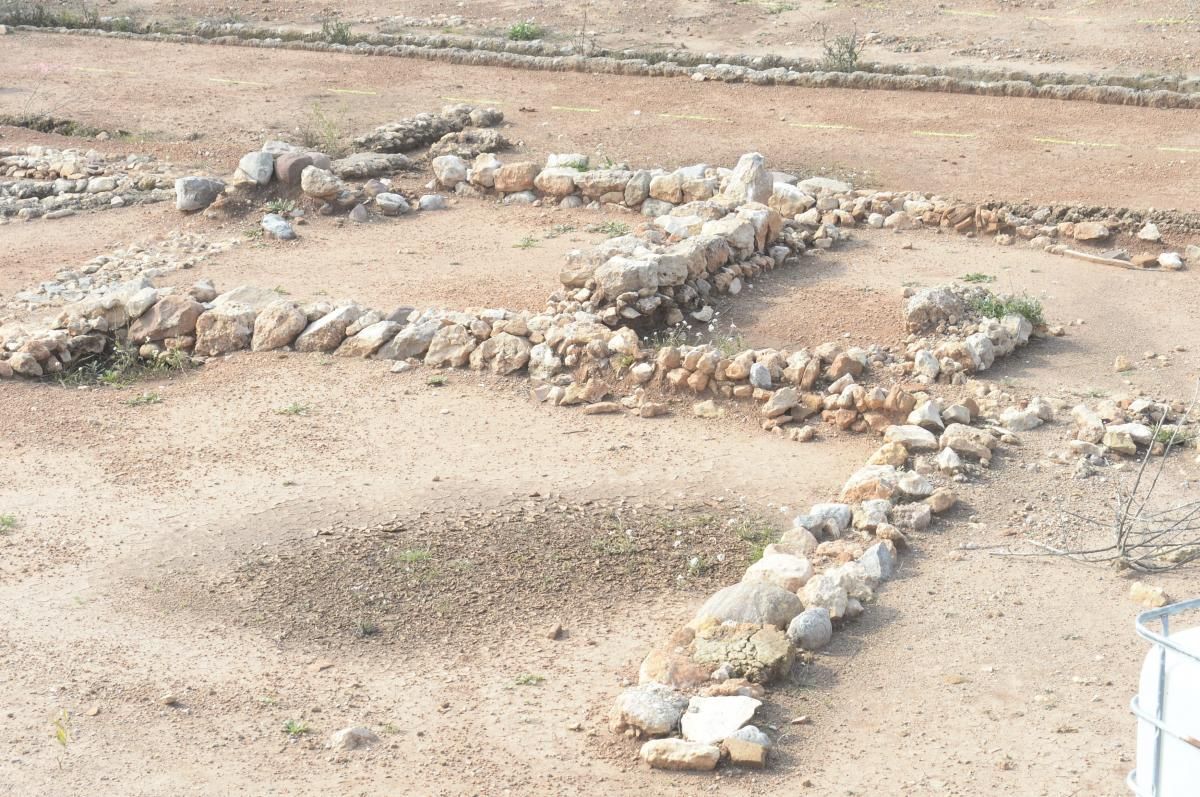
(1152, 92)
(42, 181)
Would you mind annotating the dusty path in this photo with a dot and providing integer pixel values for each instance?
(971, 147)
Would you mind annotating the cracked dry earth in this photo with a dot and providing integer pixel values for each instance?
(397, 555)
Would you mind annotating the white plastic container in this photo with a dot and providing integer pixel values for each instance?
(1168, 710)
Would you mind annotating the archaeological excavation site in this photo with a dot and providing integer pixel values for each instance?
(710, 397)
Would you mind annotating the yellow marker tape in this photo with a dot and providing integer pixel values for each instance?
(939, 134)
(819, 126)
(1195, 150)
(1068, 142)
(970, 13)
(98, 71)
(237, 82)
(352, 91)
(577, 110)
(478, 102)
(690, 117)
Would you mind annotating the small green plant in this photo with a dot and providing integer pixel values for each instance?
(437, 380)
(528, 242)
(759, 535)
(365, 627)
(282, 291)
(335, 31)
(975, 276)
(1167, 435)
(121, 366)
(296, 728)
(610, 229)
(7, 523)
(529, 679)
(560, 229)
(62, 728)
(617, 544)
(778, 8)
(281, 206)
(525, 31)
(412, 556)
(144, 399)
(322, 133)
(729, 343)
(842, 52)
(625, 360)
(993, 306)
(295, 408)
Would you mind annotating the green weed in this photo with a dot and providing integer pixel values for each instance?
(295, 408)
(144, 399)
(993, 306)
(529, 679)
(296, 728)
(525, 31)
(975, 276)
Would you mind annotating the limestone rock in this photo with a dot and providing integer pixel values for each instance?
(710, 720)
(320, 183)
(750, 180)
(277, 325)
(760, 603)
(225, 328)
(197, 193)
(871, 481)
(758, 653)
(1146, 595)
(257, 166)
(680, 755)
(352, 738)
(942, 499)
(451, 345)
(278, 227)
(503, 353)
(172, 316)
(449, 170)
(392, 204)
(929, 308)
(913, 438)
(369, 339)
(878, 562)
(512, 178)
(1090, 231)
(811, 629)
(326, 333)
(789, 572)
(649, 710)
(824, 591)
(968, 440)
(412, 341)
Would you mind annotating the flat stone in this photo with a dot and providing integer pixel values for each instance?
(680, 755)
(710, 720)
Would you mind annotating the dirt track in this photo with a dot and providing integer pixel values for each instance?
(969, 147)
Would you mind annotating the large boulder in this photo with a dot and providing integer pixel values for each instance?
(761, 603)
(277, 325)
(557, 181)
(870, 481)
(811, 629)
(172, 316)
(624, 275)
(197, 193)
(649, 710)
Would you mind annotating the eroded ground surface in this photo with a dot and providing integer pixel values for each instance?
(396, 552)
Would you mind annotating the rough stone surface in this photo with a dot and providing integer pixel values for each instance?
(710, 720)
(680, 755)
(197, 193)
(811, 629)
(760, 603)
(649, 710)
(277, 325)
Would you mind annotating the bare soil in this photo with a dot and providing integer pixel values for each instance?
(185, 577)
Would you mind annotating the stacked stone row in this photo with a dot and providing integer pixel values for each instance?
(476, 53)
(44, 182)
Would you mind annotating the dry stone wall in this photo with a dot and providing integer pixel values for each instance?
(1158, 91)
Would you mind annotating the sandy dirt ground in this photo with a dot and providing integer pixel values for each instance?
(173, 99)
(183, 578)
(1044, 35)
